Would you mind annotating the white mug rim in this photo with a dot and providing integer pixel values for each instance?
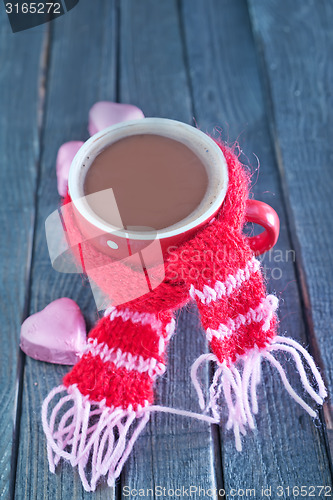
(188, 135)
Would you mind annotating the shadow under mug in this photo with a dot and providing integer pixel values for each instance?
(119, 243)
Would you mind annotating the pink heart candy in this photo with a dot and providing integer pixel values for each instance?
(57, 334)
(103, 114)
(65, 157)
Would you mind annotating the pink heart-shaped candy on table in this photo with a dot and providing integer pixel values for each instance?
(103, 114)
(65, 157)
(57, 334)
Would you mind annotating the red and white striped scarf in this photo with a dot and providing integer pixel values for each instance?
(107, 398)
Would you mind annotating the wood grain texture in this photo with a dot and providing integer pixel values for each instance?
(176, 60)
(287, 447)
(19, 145)
(172, 451)
(305, 162)
(296, 46)
(81, 71)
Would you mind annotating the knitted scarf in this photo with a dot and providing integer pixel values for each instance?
(94, 418)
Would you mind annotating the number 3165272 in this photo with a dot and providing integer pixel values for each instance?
(33, 8)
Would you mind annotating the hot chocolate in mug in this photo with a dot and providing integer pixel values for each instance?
(117, 242)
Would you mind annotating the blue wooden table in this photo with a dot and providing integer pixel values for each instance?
(259, 72)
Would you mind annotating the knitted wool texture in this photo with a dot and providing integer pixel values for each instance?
(109, 392)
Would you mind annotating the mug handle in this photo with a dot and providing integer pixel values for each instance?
(264, 215)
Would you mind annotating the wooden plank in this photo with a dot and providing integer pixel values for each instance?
(287, 448)
(296, 45)
(82, 71)
(20, 61)
(172, 451)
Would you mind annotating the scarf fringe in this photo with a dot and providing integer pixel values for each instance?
(239, 388)
(78, 430)
(96, 438)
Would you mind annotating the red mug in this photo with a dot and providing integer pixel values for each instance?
(119, 243)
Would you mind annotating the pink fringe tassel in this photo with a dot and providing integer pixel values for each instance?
(240, 388)
(96, 438)
(88, 430)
